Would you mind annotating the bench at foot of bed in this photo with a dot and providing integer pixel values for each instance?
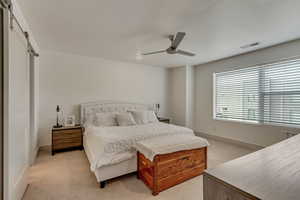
(164, 162)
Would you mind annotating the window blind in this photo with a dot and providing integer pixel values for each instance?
(268, 93)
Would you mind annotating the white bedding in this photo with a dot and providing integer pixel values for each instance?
(111, 145)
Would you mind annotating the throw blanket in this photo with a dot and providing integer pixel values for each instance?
(165, 144)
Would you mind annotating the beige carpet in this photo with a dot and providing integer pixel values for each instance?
(66, 176)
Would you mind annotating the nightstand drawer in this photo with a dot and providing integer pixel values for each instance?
(65, 134)
(67, 140)
(67, 143)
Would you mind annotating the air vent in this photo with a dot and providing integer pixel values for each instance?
(250, 45)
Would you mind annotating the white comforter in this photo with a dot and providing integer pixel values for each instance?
(111, 145)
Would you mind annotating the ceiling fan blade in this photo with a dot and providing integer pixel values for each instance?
(177, 40)
(154, 52)
(186, 53)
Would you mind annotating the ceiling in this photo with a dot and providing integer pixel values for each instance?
(120, 29)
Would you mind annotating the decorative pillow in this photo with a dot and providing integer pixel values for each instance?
(106, 119)
(140, 117)
(144, 117)
(125, 119)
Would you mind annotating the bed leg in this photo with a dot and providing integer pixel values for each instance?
(102, 184)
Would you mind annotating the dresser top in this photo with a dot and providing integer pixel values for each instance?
(272, 173)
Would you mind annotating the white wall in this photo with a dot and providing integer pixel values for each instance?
(18, 141)
(181, 98)
(190, 96)
(177, 95)
(69, 80)
(262, 135)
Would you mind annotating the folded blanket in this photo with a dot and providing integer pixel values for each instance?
(169, 144)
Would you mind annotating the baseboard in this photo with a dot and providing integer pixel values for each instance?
(34, 155)
(21, 185)
(45, 148)
(231, 141)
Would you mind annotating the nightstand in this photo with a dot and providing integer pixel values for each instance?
(67, 138)
(164, 119)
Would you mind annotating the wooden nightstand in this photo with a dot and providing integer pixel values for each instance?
(67, 138)
(163, 119)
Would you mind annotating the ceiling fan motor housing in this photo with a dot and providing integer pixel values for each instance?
(171, 50)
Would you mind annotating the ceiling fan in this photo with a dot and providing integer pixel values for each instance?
(175, 41)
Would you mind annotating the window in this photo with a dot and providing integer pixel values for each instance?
(267, 94)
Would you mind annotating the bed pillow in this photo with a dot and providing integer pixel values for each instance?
(105, 119)
(125, 119)
(140, 117)
(144, 117)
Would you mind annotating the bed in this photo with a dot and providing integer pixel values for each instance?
(110, 150)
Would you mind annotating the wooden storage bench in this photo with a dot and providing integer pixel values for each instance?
(171, 169)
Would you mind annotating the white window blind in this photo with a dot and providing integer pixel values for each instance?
(268, 93)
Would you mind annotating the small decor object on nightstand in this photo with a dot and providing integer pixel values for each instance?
(70, 121)
(58, 125)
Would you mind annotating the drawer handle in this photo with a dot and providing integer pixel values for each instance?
(185, 158)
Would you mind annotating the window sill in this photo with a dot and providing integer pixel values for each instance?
(238, 121)
(258, 123)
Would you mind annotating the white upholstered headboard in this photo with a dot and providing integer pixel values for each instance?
(90, 109)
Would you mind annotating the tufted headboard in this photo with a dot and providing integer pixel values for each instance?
(90, 109)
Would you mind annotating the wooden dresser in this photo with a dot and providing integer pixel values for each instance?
(272, 173)
(67, 138)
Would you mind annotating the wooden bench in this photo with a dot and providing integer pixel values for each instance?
(170, 169)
